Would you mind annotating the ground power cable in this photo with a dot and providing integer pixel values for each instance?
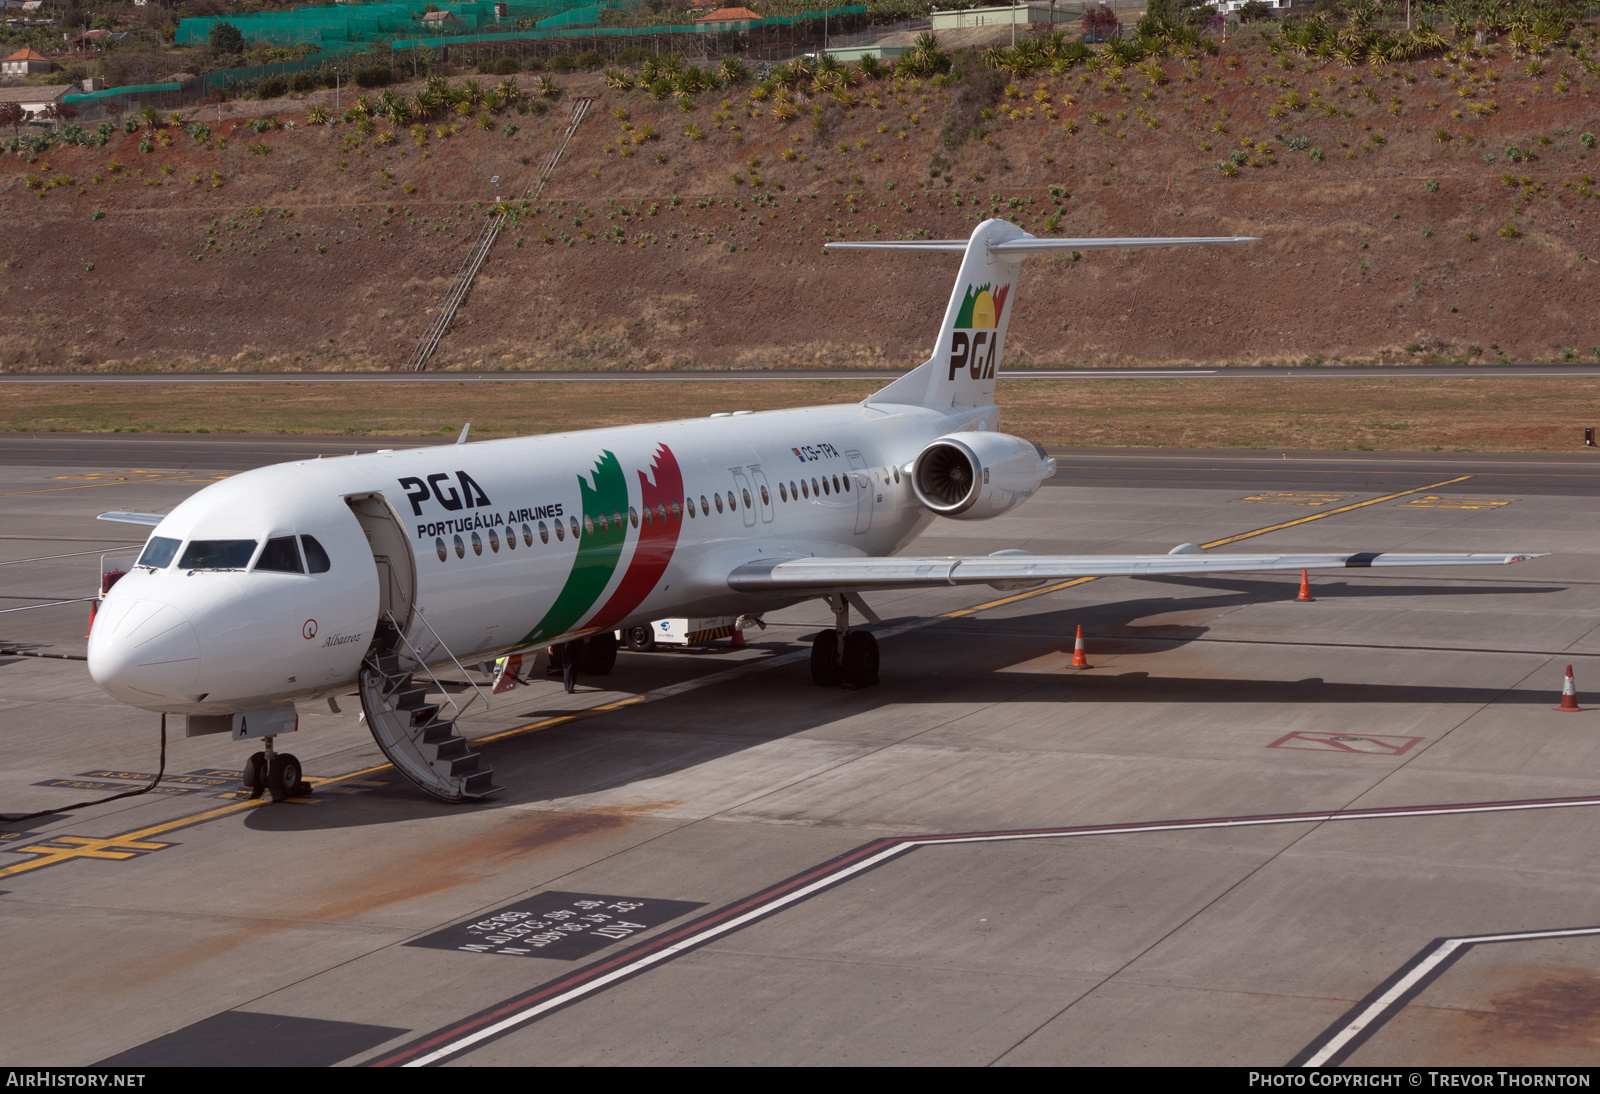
(12, 818)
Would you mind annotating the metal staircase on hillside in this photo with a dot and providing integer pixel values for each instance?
(422, 746)
(479, 252)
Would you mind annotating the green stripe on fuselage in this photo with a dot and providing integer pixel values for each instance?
(598, 552)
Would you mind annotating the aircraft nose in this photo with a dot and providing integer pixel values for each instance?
(145, 653)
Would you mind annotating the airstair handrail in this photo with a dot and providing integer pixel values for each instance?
(460, 710)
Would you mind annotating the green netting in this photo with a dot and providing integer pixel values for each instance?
(359, 24)
(577, 17)
(118, 92)
(626, 32)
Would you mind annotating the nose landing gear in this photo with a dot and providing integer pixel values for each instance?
(276, 772)
(841, 657)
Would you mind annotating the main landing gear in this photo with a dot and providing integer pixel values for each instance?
(277, 772)
(841, 657)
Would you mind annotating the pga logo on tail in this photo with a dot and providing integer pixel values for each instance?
(980, 313)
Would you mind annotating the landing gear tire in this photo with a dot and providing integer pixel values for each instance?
(825, 660)
(254, 779)
(598, 654)
(642, 639)
(859, 665)
(283, 776)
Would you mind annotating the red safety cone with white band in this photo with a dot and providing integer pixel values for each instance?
(1569, 695)
(1079, 659)
(1305, 588)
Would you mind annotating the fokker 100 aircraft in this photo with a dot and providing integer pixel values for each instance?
(298, 581)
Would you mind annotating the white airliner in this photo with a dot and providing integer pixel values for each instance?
(298, 581)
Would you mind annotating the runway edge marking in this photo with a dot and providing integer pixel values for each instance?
(502, 1018)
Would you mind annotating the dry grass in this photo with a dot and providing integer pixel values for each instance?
(1490, 414)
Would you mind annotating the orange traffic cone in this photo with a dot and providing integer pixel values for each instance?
(1569, 695)
(1305, 588)
(1079, 659)
(736, 639)
(94, 609)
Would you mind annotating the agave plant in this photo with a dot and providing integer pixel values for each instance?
(1124, 53)
(617, 79)
(733, 71)
(805, 70)
(545, 87)
(924, 59)
(659, 89)
(783, 77)
(363, 106)
(508, 90)
(317, 115)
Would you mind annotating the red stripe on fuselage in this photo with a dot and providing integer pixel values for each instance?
(657, 540)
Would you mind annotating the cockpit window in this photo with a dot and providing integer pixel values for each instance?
(159, 552)
(280, 556)
(316, 558)
(217, 554)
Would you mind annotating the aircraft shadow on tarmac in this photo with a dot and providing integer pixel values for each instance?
(962, 661)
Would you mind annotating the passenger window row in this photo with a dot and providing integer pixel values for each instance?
(589, 527)
(492, 537)
(837, 485)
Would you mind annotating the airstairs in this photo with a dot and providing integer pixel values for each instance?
(479, 253)
(422, 745)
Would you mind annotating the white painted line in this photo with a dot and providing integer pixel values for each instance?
(699, 938)
(1383, 1003)
(900, 847)
(1391, 998)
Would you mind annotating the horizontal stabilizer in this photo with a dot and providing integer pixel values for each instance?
(1028, 245)
(856, 574)
(119, 517)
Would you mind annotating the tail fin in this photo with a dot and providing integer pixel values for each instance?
(966, 358)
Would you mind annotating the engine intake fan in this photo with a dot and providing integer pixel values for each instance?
(946, 477)
(977, 475)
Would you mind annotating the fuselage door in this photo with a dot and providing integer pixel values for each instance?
(747, 497)
(763, 493)
(391, 551)
(861, 482)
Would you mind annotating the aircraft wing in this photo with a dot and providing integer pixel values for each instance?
(1014, 570)
(120, 517)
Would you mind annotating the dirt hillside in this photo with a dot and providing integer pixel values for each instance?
(1420, 211)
